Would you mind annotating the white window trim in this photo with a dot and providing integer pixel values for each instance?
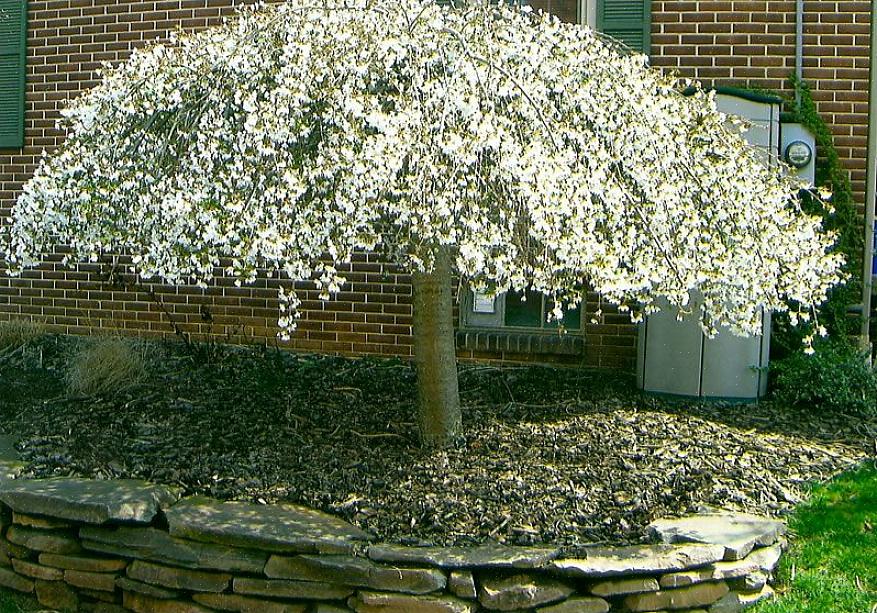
(495, 321)
(588, 13)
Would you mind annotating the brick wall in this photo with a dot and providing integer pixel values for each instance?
(67, 41)
(742, 43)
(753, 44)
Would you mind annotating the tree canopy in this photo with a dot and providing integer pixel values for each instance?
(540, 155)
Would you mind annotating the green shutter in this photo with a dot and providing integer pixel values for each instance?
(13, 37)
(630, 21)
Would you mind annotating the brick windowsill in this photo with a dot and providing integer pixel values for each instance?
(520, 342)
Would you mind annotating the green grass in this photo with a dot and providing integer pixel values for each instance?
(13, 602)
(832, 565)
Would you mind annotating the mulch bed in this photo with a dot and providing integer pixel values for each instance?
(551, 455)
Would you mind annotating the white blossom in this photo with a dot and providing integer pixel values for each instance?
(538, 153)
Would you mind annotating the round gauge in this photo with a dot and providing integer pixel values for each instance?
(799, 154)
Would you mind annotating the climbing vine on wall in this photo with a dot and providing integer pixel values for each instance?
(840, 216)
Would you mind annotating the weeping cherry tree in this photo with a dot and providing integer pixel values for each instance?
(481, 142)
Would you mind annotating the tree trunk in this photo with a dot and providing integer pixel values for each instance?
(435, 356)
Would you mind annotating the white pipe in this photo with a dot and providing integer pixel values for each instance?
(870, 186)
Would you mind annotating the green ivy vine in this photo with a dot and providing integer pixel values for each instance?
(841, 216)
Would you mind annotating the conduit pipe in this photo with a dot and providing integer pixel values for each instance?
(870, 186)
(799, 47)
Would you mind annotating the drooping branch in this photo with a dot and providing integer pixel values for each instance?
(533, 149)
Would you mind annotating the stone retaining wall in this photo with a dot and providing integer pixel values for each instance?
(109, 546)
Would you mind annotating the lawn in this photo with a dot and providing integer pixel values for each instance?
(832, 565)
(13, 602)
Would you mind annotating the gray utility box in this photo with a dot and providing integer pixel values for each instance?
(676, 357)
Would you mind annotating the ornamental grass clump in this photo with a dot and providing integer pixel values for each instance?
(478, 139)
(16, 333)
(106, 366)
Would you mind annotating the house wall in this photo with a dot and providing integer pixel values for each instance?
(752, 44)
(730, 43)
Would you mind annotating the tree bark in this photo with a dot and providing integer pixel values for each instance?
(435, 356)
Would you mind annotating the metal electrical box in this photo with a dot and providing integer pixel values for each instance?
(676, 357)
(798, 150)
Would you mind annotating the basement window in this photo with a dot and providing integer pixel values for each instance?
(522, 311)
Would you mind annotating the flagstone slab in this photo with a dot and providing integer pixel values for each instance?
(639, 560)
(715, 572)
(37, 571)
(10, 579)
(462, 583)
(93, 565)
(159, 546)
(141, 603)
(483, 556)
(44, 523)
(739, 533)
(625, 585)
(90, 501)
(347, 570)
(697, 595)
(379, 602)
(56, 595)
(299, 590)
(246, 604)
(276, 527)
(99, 582)
(767, 558)
(43, 540)
(520, 592)
(578, 604)
(153, 591)
(734, 602)
(178, 578)
(355, 571)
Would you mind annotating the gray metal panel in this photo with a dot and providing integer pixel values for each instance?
(731, 366)
(764, 360)
(763, 118)
(748, 109)
(642, 331)
(676, 357)
(672, 354)
(760, 133)
(775, 135)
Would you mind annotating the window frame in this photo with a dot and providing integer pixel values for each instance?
(588, 13)
(495, 322)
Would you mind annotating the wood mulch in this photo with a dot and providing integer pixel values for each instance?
(551, 455)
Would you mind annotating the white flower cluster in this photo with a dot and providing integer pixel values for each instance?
(537, 153)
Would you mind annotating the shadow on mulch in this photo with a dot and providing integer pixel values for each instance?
(551, 455)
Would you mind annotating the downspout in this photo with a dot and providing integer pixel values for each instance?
(799, 48)
(870, 186)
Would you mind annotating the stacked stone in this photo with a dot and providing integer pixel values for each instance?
(695, 576)
(41, 549)
(109, 546)
(752, 548)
